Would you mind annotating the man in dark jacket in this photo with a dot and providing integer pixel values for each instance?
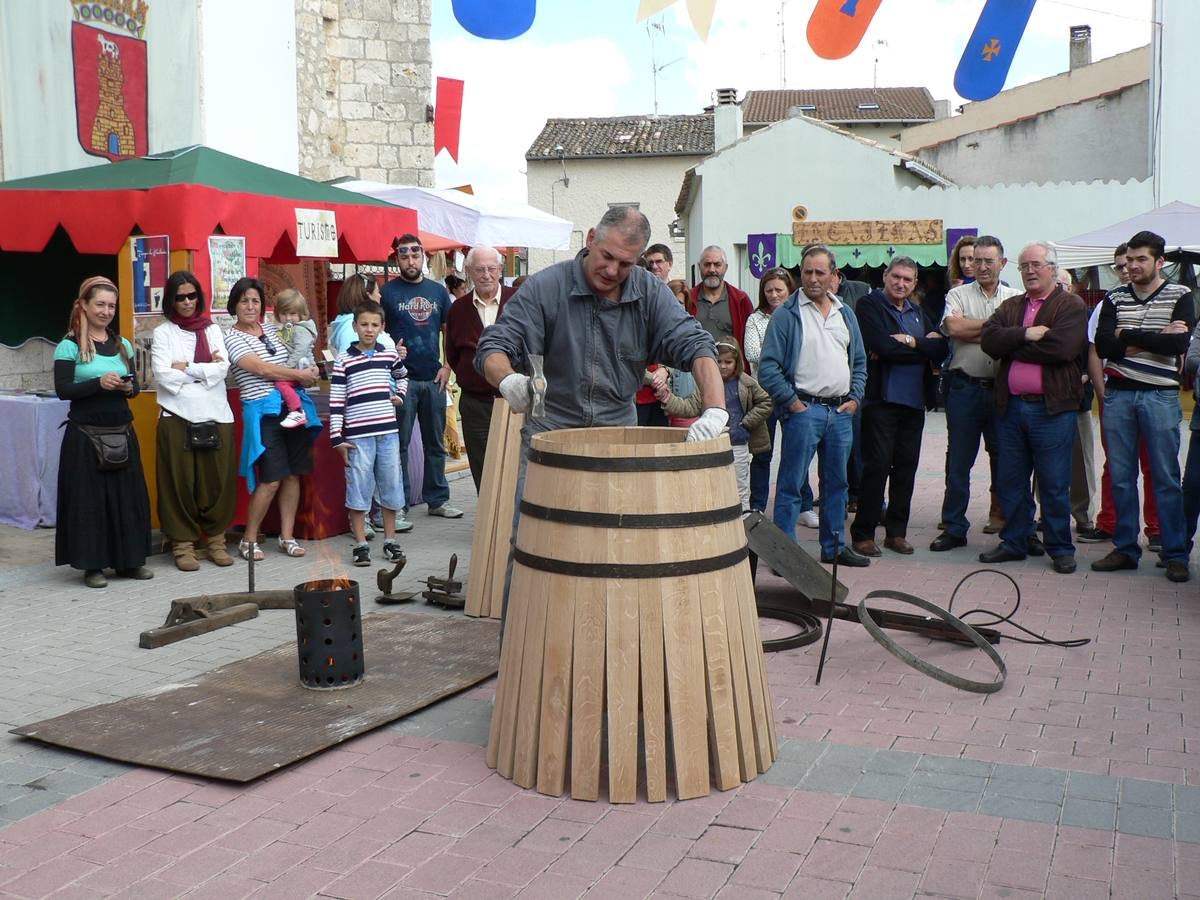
(1039, 338)
(468, 316)
(902, 345)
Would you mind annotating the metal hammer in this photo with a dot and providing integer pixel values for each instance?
(537, 387)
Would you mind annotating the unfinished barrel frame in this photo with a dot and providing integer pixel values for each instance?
(631, 618)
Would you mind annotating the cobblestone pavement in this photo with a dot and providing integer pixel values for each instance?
(1079, 779)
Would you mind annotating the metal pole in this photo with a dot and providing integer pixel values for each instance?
(837, 550)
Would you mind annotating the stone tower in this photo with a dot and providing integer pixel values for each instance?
(364, 82)
(112, 132)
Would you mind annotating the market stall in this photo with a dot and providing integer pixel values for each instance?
(195, 208)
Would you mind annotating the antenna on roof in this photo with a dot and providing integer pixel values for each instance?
(655, 68)
(782, 46)
(875, 73)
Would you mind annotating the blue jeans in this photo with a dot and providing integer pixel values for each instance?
(1191, 489)
(373, 467)
(819, 429)
(970, 415)
(1030, 440)
(1155, 417)
(760, 476)
(426, 404)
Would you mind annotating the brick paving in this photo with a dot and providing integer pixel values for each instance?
(1079, 779)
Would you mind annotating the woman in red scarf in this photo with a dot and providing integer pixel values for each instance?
(196, 482)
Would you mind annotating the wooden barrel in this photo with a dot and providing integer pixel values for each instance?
(631, 621)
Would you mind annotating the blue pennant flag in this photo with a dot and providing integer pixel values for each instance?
(498, 20)
(989, 53)
(761, 248)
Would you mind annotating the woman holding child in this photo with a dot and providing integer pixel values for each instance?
(273, 457)
(197, 486)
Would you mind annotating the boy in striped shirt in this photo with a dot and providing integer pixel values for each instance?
(368, 381)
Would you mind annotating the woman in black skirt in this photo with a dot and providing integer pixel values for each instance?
(103, 513)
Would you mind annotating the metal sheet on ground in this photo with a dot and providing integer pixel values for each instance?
(252, 717)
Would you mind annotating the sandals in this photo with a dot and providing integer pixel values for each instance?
(291, 547)
(245, 548)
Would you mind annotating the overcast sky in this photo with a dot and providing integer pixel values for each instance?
(585, 58)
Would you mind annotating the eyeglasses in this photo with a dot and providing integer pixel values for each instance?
(402, 252)
(1030, 266)
(267, 343)
(184, 298)
(487, 270)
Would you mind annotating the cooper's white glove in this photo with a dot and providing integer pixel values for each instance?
(515, 389)
(710, 424)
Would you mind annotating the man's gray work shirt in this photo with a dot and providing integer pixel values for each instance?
(715, 317)
(595, 351)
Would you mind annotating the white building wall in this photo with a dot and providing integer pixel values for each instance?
(837, 178)
(650, 181)
(1097, 139)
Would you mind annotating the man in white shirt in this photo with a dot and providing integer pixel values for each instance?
(970, 386)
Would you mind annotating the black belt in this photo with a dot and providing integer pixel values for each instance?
(982, 382)
(833, 402)
(1032, 398)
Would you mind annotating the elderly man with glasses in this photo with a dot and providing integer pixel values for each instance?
(1039, 338)
(470, 314)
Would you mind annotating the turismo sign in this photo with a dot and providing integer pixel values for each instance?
(316, 233)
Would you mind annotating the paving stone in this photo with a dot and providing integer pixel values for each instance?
(1093, 787)
(880, 786)
(1146, 821)
(1187, 798)
(952, 766)
(1147, 793)
(1089, 813)
(936, 798)
(1187, 827)
(1028, 790)
(1019, 808)
(831, 779)
(892, 762)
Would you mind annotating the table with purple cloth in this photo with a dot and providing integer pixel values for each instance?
(30, 438)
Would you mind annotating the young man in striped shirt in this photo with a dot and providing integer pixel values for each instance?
(367, 383)
(1143, 332)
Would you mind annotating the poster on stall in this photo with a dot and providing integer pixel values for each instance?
(151, 260)
(228, 257)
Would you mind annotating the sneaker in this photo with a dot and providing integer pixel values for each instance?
(294, 419)
(368, 529)
(1090, 535)
(1154, 543)
(403, 526)
(362, 555)
(1177, 570)
(809, 519)
(375, 519)
(446, 512)
(392, 552)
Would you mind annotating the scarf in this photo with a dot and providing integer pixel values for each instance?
(197, 323)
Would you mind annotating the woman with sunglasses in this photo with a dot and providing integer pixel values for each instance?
(196, 484)
(273, 457)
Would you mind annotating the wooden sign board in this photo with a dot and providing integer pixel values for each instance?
(868, 231)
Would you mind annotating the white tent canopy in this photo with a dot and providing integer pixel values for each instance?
(470, 219)
(1178, 223)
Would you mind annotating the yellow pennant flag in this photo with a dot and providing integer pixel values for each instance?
(699, 11)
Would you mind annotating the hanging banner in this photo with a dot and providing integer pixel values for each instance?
(316, 233)
(836, 27)
(699, 11)
(989, 53)
(111, 94)
(498, 20)
(761, 248)
(151, 261)
(447, 116)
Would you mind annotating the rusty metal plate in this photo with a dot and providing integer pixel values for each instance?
(252, 717)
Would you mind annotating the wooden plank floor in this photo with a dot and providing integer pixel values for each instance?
(252, 717)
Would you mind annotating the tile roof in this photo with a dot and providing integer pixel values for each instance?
(906, 104)
(625, 136)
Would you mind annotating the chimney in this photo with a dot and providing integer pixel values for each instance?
(727, 119)
(1081, 46)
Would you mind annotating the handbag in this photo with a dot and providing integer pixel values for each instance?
(111, 443)
(203, 436)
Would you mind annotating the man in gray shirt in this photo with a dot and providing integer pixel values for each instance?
(596, 320)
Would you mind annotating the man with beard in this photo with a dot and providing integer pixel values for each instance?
(718, 306)
(1144, 330)
(416, 308)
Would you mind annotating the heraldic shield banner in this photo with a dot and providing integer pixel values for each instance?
(111, 99)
